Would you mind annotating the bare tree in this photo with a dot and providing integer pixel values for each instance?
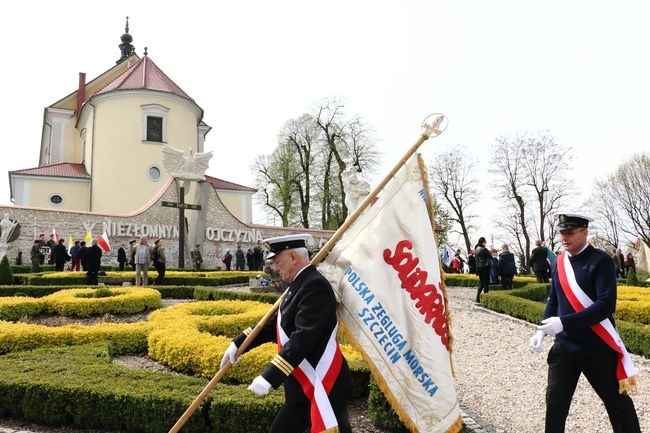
(508, 166)
(451, 177)
(545, 164)
(605, 208)
(630, 189)
(321, 145)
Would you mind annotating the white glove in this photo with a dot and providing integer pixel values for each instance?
(551, 326)
(230, 355)
(535, 341)
(260, 386)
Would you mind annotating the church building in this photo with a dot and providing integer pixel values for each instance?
(102, 168)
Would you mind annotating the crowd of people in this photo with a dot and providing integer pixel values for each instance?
(139, 256)
(498, 267)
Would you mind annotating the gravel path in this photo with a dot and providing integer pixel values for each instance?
(498, 378)
(501, 380)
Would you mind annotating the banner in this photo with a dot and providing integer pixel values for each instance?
(448, 254)
(88, 238)
(104, 243)
(70, 243)
(386, 272)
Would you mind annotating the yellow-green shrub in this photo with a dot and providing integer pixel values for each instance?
(124, 337)
(13, 308)
(81, 303)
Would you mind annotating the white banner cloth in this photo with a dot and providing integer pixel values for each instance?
(386, 272)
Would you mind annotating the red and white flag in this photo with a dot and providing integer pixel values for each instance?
(55, 236)
(104, 243)
(386, 272)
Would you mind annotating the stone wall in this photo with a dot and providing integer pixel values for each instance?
(213, 227)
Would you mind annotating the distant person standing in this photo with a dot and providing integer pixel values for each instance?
(142, 254)
(227, 259)
(42, 244)
(159, 261)
(539, 262)
(240, 259)
(93, 263)
(620, 259)
(121, 257)
(579, 314)
(132, 254)
(507, 267)
(51, 243)
(483, 264)
(60, 255)
(471, 262)
(74, 257)
(197, 259)
(629, 264)
(249, 259)
(83, 254)
(35, 256)
(258, 258)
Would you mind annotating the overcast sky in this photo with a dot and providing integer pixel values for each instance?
(578, 69)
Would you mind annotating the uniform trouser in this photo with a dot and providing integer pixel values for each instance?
(160, 268)
(599, 367)
(141, 280)
(294, 416)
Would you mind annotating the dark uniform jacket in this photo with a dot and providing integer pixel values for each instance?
(538, 259)
(595, 274)
(308, 318)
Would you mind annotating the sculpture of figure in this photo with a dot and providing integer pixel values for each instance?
(7, 227)
(355, 189)
(191, 167)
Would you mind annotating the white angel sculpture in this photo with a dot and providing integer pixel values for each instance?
(356, 190)
(191, 167)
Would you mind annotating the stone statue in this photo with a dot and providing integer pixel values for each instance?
(356, 190)
(6, 228)
(191, 167)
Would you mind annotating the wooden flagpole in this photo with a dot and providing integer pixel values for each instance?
(433, 129)
(222, 371)
(429, 130)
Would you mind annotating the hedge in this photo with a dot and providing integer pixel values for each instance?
(80, 386)
(196, 278)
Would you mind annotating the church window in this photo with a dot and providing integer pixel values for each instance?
(154, 123)
(154, 128)
(153, 172)
(56, 199)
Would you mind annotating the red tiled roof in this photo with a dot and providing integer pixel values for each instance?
(224, 184)
(144, 74)
(63, 169)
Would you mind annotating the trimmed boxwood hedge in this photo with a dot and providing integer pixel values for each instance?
(80, 386)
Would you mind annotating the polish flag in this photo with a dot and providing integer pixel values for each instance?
(56, 237)
(104, 243)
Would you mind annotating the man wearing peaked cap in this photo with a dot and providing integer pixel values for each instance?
(579, 314)
(309, 363)
(281, 243)
(568, 221)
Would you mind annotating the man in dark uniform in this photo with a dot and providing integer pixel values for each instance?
(539, 262)
(582, 301)
(309, 362)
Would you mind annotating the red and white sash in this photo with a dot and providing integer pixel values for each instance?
(625, 370)
(317, 382)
